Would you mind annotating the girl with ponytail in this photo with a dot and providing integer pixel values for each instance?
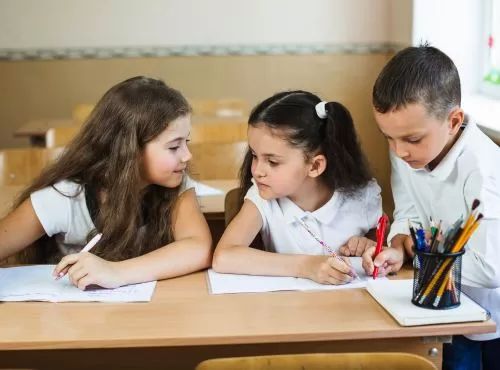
(304, 178)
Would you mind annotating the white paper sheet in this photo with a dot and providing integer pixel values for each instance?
(234, 283)
(36, 283)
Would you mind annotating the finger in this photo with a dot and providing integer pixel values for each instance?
(334, 281)
(340, 277)
(84, 282)
(347, 260)
(340, 265)
(367, 260)
(354, 245)
(63, 266)
(77, 274)
(362, 245)
(344, 250)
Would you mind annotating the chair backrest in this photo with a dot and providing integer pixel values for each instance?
(216, 161)
(219, 132)
(225, 107)
(231, 204)
(21, 166)
(322, 361)
(80, 112)
(61, 136)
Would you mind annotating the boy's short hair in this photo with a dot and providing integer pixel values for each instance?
(418, 75)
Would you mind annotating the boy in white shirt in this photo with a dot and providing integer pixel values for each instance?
(441, 162)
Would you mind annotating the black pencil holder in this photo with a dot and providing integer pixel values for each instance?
(437, 282)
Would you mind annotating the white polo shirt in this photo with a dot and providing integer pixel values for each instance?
(63, 212)
(470, 170)
(335, 222)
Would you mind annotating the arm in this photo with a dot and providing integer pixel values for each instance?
(233, 254)
(391, 259)
(191, 250)
(19, 229)
(481, 262)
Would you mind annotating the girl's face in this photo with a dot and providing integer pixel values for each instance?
(279, 170)
(165, 157)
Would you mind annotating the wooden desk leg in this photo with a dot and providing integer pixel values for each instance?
(183, 358)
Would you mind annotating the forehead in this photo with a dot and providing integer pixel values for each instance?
(262, 138)
(178, 128)
(409, 120)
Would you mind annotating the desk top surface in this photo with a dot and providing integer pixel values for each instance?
(183, 313)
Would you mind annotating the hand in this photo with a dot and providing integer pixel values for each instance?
(86, 269)
(356, 246)
(389, 260)
(328, 270)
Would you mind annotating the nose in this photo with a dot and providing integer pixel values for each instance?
(186, 157)
(257, 170)
(400, 149)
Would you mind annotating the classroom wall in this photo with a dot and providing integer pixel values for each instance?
(51, 60)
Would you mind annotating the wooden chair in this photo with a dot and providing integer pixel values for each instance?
(221, 131)
(231, 204)
(216, 161)
(219, 107)
(81, 112)
(322, 361)
(61, 136)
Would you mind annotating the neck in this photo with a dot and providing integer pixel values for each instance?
(312, 195)
(433, 164)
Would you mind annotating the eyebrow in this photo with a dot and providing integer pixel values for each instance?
(177, 139)
(403, 137)
(267, 155)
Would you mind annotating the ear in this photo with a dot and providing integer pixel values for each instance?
(455, 120)
(317, 165)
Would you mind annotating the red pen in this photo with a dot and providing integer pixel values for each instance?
(382, 221)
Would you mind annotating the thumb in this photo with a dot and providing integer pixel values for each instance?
(382, 258)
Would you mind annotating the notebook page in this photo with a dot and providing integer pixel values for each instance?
(235, 283)
(36, 283)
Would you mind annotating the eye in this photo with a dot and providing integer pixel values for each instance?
(413, 140)
(174, 148)
(273, 163)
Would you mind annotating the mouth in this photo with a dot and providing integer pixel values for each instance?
(262, 186)
(180, 171)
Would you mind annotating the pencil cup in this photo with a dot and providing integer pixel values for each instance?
(437, 283)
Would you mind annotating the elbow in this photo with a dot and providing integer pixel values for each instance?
(204, 256)
(220, 261)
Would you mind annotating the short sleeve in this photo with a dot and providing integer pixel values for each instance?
(52, 206)
(261, 204)
(187, 183)
(373, 204)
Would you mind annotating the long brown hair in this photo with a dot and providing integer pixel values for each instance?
(105, 157)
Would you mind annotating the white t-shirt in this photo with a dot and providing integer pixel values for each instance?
(469, 171)
(63, 213)
(335, 222)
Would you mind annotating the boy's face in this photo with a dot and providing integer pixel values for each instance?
(417, 137)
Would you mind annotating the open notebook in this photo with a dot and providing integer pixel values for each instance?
(234, 283)
(36, 283)
(395, 297)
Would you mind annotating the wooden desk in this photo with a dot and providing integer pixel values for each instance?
(36, 130)
(184, 324)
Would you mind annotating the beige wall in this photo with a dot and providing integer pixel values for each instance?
(48, 89)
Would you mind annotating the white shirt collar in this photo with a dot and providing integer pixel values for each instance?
(323, 214)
